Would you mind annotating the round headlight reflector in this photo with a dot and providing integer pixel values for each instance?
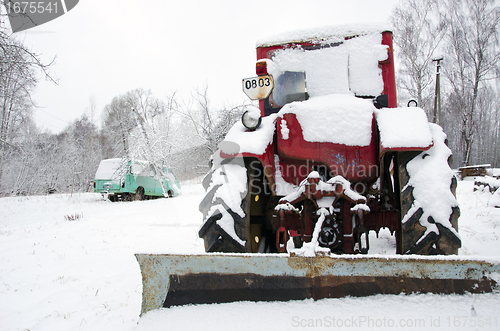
(251, 119)
(412, 103)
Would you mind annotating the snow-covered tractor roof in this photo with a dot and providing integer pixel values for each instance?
(325, 34)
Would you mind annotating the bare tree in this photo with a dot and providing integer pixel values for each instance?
(152, 141)
(210, 125)
(92, 110)
(83, 135)
(466, 33)
(118, 122)
(473, 54)
(18, 69)
(419, 29)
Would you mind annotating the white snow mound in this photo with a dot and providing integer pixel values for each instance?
(324, 34)
(254, 142)
(404, 127)
(335, 118)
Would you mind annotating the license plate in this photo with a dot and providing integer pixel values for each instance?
(257, 88)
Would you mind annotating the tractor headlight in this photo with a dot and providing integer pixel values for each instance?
(412, 103)
(251, 119)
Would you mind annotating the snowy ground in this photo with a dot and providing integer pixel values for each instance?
(81, 274)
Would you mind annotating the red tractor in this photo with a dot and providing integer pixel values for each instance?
(329, 156)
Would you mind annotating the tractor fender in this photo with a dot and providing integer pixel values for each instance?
(403, 129)
(258, 144)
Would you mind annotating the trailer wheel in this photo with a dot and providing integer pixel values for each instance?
(225, 208)
(425, 229)
(139, 194)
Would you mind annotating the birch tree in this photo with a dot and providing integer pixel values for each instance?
(473, 55)
(419, 28)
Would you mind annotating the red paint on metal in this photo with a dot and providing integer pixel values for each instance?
(355, 163)
(388, 74)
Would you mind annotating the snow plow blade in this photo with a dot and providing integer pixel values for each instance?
(173, 280)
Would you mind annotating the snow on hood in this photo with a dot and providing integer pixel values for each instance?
(254, 142)
(335, 118)
(325, 34)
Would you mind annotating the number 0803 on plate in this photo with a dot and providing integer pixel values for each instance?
(259, 87)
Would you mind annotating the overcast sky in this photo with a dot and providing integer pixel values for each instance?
(105, 48)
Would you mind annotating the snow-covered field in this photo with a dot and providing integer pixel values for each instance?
(67, 263)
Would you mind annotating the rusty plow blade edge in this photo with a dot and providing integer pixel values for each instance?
(172, 280)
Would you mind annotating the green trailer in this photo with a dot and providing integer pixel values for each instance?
(122, 179)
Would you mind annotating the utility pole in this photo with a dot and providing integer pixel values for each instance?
(437, 94)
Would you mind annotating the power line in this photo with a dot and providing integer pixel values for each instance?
(65, 122)
(53, 126)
